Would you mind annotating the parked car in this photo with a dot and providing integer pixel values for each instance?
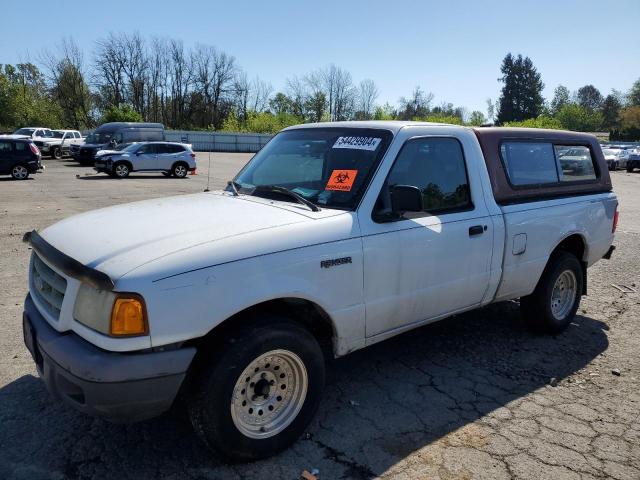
(335, 236)
(34, 132)
(633, 161)
(611, 157)
(574, 159)
(110, 135)
(60, 143)
(170, 158)
(18, 156)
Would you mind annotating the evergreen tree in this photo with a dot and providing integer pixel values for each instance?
(590, 98)
(521, 96)
(560, 99)
(610, 112)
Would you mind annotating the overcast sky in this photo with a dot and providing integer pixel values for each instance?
(450, 48)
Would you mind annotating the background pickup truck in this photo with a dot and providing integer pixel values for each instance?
(332, 238)
(60, 143)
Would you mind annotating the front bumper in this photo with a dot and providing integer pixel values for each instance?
(122, 387)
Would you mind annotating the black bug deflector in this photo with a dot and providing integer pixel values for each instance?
(66, 264)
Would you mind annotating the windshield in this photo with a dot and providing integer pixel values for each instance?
(57, 134)
(24, 131)
(48, 134)
(608, 151)
(127, 147)
(330, 167)
(98, 138)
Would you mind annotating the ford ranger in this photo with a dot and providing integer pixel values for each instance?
(333, 237)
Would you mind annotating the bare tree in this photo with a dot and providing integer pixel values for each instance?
(366, 98)
(214, 75)
(134, 67)
(298, 93)
(108, 71)
(157, 81)
(416, 106)
(179, 82)
(242, 88)
(260, 92)
(67, 80)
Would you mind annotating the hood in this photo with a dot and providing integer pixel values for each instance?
(99, 153)
(117, 240)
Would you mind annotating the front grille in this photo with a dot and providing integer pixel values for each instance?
(48, 287)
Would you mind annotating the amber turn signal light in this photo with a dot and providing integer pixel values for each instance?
(129, 316)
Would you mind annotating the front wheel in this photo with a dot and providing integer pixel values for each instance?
(57, 153)
(629, 168)
(19, 172)
(255, 395)
(180, 170)
(121, 170)
(554, 302)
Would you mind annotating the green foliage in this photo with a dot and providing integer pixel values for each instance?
(477, 118)
(24, 99)
(543, 121)
(629, 125)
(610, 112)
(123, 113)
(454, 120)
(634, 94)
(384, 112)
(578, 118)
(561, 97)
(521, 96)
(259, 122)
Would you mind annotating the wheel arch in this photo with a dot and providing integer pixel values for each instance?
(576, 244)
(303, 311)
(127, 162)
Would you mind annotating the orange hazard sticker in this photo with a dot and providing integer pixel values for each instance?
(341, 180)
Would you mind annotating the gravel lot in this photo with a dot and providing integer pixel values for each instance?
(469, 397)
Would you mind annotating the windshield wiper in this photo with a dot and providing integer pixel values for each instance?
(234, 187)
(290, 193)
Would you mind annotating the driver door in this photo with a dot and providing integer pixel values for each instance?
(145, 157)
(429, 264)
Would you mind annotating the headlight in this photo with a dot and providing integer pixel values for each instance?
(111, 313)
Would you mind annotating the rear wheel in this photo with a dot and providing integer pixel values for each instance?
(121, 170)
(20, 172)
(180, 170)
(258, 392)
(554, 302)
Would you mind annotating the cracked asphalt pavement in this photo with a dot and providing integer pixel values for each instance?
(472, 397)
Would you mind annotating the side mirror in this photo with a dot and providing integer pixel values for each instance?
(405, 198)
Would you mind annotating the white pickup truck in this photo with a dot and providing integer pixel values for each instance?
(59, 144)
(332, 238)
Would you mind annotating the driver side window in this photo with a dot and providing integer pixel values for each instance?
(436, 166)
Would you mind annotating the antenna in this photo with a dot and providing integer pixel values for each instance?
(209, 169)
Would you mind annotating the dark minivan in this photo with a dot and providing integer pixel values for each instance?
(110, 135)
(18, 157)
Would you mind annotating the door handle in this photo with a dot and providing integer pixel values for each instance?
(477, 230)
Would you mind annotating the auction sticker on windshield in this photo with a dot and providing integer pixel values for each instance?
(357, 143)
(341, 180)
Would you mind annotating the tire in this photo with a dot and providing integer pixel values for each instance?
(57, 153)
(180, 170)
(629, 168)
(563, 278)
(121, 170)
(20, 172)
(258, 369)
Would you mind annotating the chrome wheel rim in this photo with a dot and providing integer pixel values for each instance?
(269, 394)
(180, 171)
(122, 170)
(563, 294)
(20, 172)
